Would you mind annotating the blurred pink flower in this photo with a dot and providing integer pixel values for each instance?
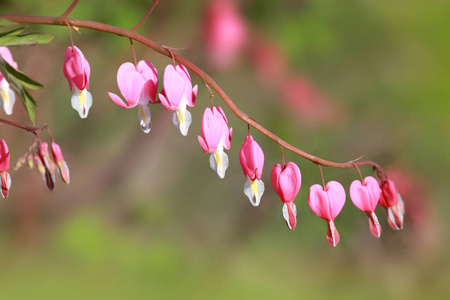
(251, 158)
(7, 97)
(304, 99)
(77, 72)
(365, 196)
(327, 204)
(286, 181)
(225, 33)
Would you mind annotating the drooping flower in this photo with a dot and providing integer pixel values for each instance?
(7, 97)
(4, 167)
(365, 196)
(327, 204)
(177, 94)
(251, 158)
(58, 157)
(138, 85)
(77, 72)
(286, 181)
(46, 166)
(393, 202)
(215, 137)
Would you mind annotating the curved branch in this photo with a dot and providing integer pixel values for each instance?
(196, 70)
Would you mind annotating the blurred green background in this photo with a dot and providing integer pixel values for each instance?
(144, 216)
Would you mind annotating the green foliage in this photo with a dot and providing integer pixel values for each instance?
(14, 37)
(18, 81)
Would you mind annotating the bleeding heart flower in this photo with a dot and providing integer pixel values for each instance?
(7, 97)
(177, 94)
(365, 196)
(393, 202)
(251, 158)
(215, 137)
(49, 165)
(58, 157)
(286, 181)
(138, 86)
(327, 204)
(77, 72)
(4, 167)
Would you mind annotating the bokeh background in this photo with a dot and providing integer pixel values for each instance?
(145, 217)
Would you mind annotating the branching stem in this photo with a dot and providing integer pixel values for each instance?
(196, 70)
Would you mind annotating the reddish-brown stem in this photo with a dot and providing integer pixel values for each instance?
(69, 10)
(33, 130)
(359, 172)
(282, 156)
(196, 70)
(155, 3)
(321, 175)
(134, 54)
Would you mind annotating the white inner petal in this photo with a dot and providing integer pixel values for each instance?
(145, 118)
(254, 190)
(286, 213)
(182, 119)
(82, 102)
(218, 161)
(7, 97)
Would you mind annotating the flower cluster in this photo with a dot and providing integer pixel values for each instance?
(38, 155)
(138, 85)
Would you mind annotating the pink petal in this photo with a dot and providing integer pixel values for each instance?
(329, 203)
(365, 196)
(4, 156)
(74, 68)
(289, 182)
(211, 130)
(388, 195)
(194, 96)
(174, 86)
(291, 215)
(118, 100)
(251, 158)
(150, 75)
(130, 83)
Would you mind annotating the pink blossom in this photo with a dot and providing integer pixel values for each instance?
(215, 137)
(225, 33)
(365, 196)
(393, 202)
(251, 158)
(7, 97)
(138, 85)
(58, 157)
(177, 94)
(327, 204)
(46, 166)
(77, 72)
(4, 167)
(286, 181)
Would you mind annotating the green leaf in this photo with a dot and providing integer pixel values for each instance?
(24, 96)
(26, 39)
(30, 105)
(27, 81)
(11, 32)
